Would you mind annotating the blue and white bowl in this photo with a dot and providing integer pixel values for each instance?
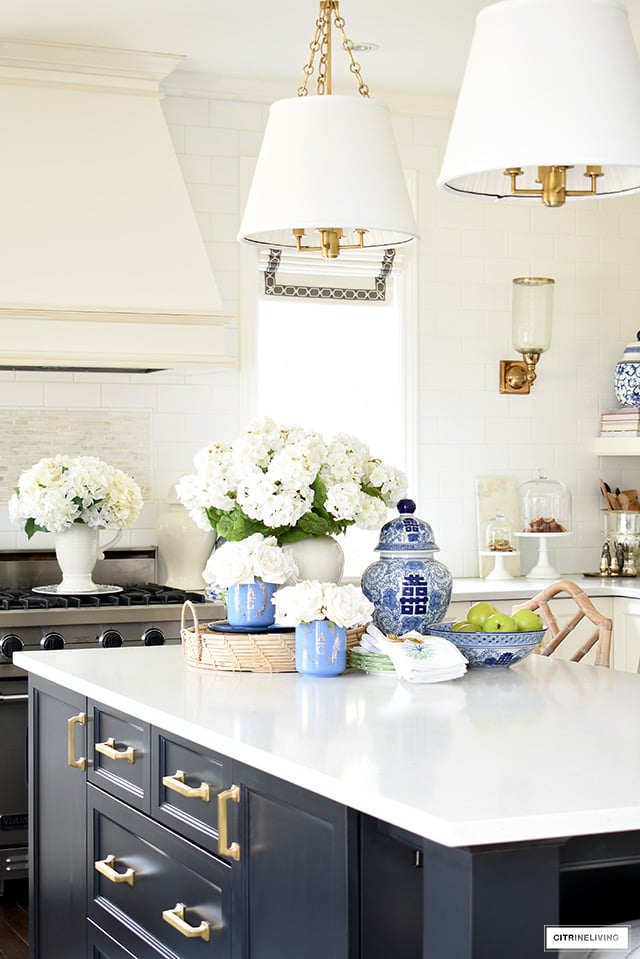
(491, 649)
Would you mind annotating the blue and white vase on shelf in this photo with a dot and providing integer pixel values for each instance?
(409, 589)
(249, 604)
(627, 378)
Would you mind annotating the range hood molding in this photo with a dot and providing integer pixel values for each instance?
(102, 263)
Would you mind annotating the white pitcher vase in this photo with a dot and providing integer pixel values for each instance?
(77, 552)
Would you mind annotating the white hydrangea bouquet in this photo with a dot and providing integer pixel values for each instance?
(346, 606)
(256, 557)
(289, 483)
(61, 490)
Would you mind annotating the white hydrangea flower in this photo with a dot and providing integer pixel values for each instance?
(61, 490)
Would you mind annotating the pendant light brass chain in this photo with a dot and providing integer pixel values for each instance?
(321, 44)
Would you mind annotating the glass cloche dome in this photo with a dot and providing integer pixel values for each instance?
(545, 506)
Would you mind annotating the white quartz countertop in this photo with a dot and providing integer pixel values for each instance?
(543, 749)
(522, 587)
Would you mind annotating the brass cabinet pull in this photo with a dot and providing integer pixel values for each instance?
(109, 750)
(177, 783)
(233, 850)
(175, 918)
(106, 868)
(74, 721)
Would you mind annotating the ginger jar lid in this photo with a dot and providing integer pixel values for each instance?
(632, 351)
(406, 533)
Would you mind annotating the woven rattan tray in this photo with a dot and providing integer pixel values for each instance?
(261, 652)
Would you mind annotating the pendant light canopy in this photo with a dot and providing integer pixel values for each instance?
(549, 106)
(328, 176)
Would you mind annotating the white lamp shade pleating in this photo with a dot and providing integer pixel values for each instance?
(547, 82)
(328, 162)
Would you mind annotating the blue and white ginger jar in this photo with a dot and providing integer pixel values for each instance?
(410, 590)
(627, 379)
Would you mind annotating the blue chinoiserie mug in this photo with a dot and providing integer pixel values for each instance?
(321, 648)
(410, 590)
(249, 604)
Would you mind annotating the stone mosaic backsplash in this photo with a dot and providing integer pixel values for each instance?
(122, 438)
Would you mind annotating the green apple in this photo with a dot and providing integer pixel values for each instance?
(479, 613)
(463, 627)
(527, 620)
(499, 623)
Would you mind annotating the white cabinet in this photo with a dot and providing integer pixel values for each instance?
(626, 631)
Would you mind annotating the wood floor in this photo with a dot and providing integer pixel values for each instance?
(14, 920)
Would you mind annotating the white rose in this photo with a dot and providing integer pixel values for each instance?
(229, 565)
(347, 606)
(299, 604)
(271, 563)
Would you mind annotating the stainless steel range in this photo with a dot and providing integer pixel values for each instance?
(138, 613)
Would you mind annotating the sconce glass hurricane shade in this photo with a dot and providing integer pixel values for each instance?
(532, 310)
(549, 105)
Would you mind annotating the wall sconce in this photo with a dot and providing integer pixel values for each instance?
(531, 312)
(549, 105)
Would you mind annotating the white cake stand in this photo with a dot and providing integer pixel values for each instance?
(499, 570)
(543, 568)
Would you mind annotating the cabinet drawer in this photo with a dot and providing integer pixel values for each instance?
(186, 782)
(120, 758)
(177, 898)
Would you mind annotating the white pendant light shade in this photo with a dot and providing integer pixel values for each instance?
(328, 162)
(548, 83)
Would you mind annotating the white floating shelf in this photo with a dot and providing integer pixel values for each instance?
(617, 445)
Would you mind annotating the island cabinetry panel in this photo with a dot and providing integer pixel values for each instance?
(144, 880)
(57, 821)
(121, 757)
(298, 856)
(187, 783)
(175, 850)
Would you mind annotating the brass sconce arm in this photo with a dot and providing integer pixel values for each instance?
(517, 376)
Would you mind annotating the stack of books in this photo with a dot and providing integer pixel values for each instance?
(625, 421)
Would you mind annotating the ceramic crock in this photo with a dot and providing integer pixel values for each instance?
(410, 590)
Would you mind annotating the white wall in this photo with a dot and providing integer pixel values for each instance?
(468, 253)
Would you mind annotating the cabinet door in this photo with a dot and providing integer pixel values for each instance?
(57, 821)
(298, 863)
(626, 628)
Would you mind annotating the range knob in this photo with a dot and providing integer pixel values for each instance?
(10, 644)
(52, 641)
(152, 637)
(110, 638)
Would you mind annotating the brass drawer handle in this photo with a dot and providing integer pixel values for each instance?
(177, 783)
(175, 918)
(106, 868)
(109, 750)
(233, 850)
(74, 721)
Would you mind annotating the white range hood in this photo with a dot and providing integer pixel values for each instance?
(102, 264)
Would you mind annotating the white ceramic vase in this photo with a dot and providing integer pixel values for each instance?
(317, 557)
(183, 549)
(77, 552)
